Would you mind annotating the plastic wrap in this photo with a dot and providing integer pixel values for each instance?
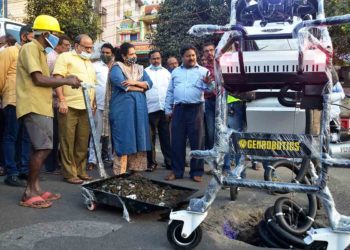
(96, 143)
(279, 145)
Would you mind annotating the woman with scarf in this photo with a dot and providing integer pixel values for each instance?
(128, 114)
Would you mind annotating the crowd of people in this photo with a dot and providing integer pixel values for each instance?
(45, 121)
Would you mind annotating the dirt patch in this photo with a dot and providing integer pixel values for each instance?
(140, 188)
(235, 222)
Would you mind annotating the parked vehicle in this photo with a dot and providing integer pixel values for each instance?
(10, 27)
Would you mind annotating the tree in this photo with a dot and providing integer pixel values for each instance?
(176, 17)
(75, 16)
(340, 34)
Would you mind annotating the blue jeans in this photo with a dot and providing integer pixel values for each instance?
(209, 122)
(234, 121)
(16, 143)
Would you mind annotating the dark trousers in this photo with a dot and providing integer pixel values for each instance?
(187, 122)
(2, 127)
(16, 144)
(158, 121)
(209, 122)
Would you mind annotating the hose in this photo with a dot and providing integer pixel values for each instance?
(290, 238)
(306, 221)
(282, 243)
(264, 236)
(299, 172)
(282, 98)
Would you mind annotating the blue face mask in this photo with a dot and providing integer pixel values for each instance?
(52, 40)
(48, 50)
(156, 67)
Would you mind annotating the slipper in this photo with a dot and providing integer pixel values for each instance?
(48, 196)
(74, 181)
(85, 178)
(36, 202)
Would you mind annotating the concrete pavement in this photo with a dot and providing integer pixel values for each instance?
(69, 225)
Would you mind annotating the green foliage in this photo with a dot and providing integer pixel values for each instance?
(176, 17)
(75, 16)
(340, 34)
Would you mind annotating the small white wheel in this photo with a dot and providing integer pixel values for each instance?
(91, 205)
(180, 243)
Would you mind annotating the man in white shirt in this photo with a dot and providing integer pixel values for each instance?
(102, 70)
(161, 78)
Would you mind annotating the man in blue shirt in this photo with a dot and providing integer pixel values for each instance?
(184, 103)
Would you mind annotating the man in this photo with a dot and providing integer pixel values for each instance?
(172, 63)
(7, 41)
(73, 118)
(185, 93)
(102, 70)
(210, 97)
(62, 46)
(51, 163)
(16, 143)
(155, 103)
(34, 104)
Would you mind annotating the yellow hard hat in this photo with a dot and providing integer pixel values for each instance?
(46, 23)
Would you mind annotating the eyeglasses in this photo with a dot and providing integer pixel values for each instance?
(86, 48)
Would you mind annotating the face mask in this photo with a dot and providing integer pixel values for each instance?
(84, 55)
(52, 40)
(131, 61)
(48, 50)
(156, 67)
(106, 59)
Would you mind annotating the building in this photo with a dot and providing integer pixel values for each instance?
(138, 24)
(14, 9)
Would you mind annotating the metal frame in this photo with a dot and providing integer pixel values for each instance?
(215, 156)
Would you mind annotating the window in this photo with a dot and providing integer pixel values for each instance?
(13, 30)
(104, 17)
(133, 37)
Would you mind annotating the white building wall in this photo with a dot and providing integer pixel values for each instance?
(16, 10)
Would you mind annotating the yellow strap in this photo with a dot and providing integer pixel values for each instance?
(231, 99)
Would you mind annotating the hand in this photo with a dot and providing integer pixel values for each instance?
(73, 81)
(207, 79)
(168, 117)
(62, 107)
(129, 82)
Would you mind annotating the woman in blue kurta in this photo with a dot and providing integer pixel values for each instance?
(128, 112)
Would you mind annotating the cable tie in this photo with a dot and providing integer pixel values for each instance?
(312, 219)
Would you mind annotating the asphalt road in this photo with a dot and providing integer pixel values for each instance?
(69, 225)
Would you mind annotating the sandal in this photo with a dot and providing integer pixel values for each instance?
(36, 202)
(74, 181)
(85, 178)
(48, 196)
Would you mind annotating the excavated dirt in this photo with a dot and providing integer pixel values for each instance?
(236, 222)
(139, 188)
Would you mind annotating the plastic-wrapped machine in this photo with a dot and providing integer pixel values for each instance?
(280, 45)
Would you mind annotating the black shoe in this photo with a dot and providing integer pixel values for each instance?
(23, 177)
(14, 181)
(151, 168)
(166, 166)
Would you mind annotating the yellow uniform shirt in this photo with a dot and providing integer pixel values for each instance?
(70, 63)
(8, 66)
(32, 98)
